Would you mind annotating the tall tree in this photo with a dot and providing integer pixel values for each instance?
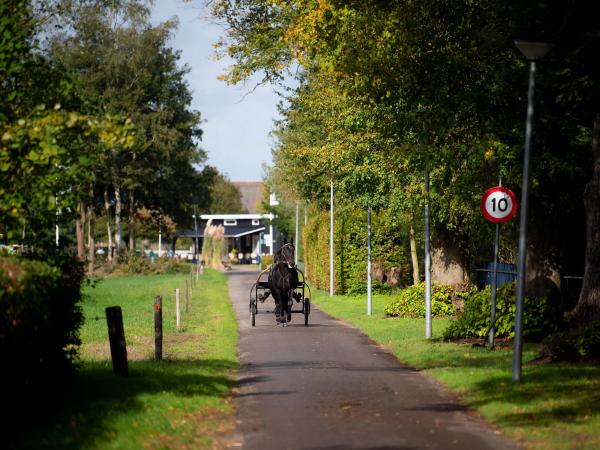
(123, 64)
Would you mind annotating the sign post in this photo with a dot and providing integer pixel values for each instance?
(498, 205)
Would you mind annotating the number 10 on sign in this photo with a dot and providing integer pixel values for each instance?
(498, 204)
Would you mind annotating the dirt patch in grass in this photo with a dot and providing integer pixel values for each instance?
(139, 348)
(499, 343)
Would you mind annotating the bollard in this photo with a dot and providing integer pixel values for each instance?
(177, 313)
(158, 328)
(116, 337)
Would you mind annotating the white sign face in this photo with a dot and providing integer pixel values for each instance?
(498, 204)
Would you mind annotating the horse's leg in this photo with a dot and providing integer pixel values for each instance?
(290, 302)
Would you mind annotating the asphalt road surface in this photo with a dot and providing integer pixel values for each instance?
(326, 386)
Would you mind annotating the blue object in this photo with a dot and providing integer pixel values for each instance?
(484, 276)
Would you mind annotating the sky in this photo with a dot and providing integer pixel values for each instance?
(237, 119)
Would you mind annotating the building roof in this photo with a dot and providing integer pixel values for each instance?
(252, 192)
(230, 231)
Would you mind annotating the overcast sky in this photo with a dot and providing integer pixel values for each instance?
(237, 123)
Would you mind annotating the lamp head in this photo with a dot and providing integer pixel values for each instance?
(534, 50)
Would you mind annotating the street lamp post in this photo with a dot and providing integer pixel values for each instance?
(427, 261)
(331, 254)
(532, 52)
(369, 278)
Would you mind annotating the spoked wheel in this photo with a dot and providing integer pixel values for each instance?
(253, 311)
(306, 310)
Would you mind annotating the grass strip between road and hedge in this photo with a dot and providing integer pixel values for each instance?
(180, 402)
(555, 406)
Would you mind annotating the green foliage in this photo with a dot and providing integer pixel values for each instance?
(226, 198)
(266, 261)
(540, 318)
(410, 302)
(142, 265)
(40, 320)
(350, 248)
(576, 344)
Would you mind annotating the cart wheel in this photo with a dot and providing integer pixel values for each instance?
(306, 308)
(253, 312)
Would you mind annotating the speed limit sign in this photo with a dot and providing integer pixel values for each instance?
(498, 204)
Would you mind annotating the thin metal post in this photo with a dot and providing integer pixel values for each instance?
(427, 261)
(331, 274)
(305, 214)
(369, 286)
(57, 237)
(297, 228)
(159, 242)
(494, 287)
(518, 341)
(196, 250)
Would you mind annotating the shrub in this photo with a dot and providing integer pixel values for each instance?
(576, 344)
(539, 316)
(142, 265)
(40, 320)
(266, 261)
(410, 301)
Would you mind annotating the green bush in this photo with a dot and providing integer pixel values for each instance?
(142, 265)
(410, 301)
(576, 344)
(539, 316)
(40, 320)
(266, 261)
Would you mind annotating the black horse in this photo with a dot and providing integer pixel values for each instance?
(283, 280)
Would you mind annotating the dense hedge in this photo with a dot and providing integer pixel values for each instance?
(540, 317)
(389, 249)
(40, 320)
(410, 302)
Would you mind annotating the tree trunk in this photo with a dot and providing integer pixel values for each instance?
(118, 227)
(131, 224)
(413, 252)
(91, 240)
(447, 259)
(80, 231)
(108, 228)
(588, 306)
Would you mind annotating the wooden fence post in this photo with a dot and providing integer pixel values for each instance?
(187, 295)
(158, 328)
(177, 313)
(116, 336)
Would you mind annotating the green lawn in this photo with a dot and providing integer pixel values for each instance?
(557, 406)
(179, 402)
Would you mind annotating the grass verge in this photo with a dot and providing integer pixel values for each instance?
(556, 406)
(181, 402)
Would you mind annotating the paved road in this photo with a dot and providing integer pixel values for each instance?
(326, 386)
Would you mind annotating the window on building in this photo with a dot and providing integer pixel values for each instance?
(230, 222)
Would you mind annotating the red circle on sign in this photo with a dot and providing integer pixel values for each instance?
(498, 204)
